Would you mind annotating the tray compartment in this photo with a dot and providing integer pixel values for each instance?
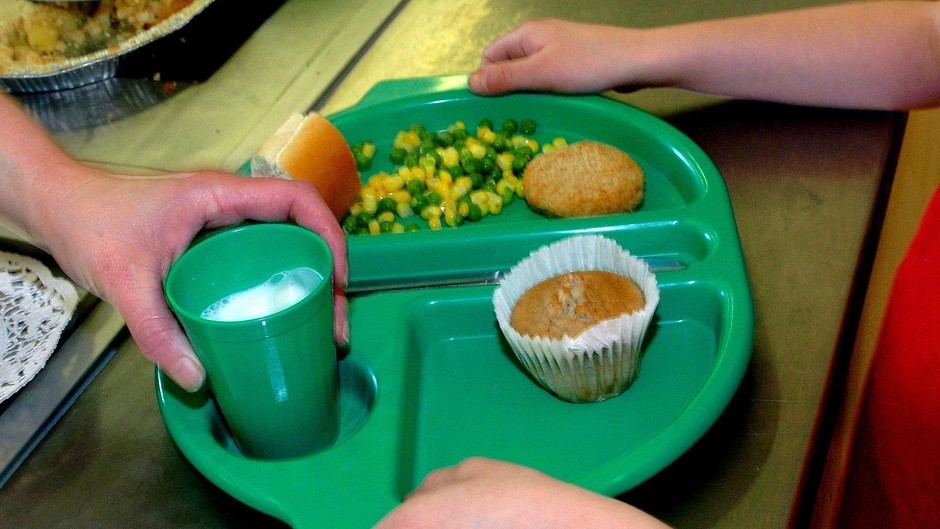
(466, 394)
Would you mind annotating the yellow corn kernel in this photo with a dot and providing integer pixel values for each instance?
(404, 210)
(393, 182)
(486, 135)
(368, 149)
(459, 190)
(457, 125)
(401, 197)
(446, 178)
(559, 142)
(434, 223)
(450, 157)
(418, 174)
(369, 192)
(464, 209)
(477, 149)
(449, 205)
(518, 140)
(369, 204)
(386, 216)
(464, 181)
(430, 211)
(504, 161)
(375, 182)
(548, 147)
(450, 217)
(355, 209)
(435, 184)
(532, 144)
(374, 228)
(494, 203)
(407, 140)
(398, 227)
(480, 199)
(502, 186)
(405, 173)
(520, 192)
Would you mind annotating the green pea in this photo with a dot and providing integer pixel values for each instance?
(386, 204)
(418, 202)
(445, 138)
(427, 147)
(527, 126)
(489, 185)
(363, 219)
(486, 122)
(510, 127)
(412, 227)
(433, 198)
(471, 164)
(397, 155)
(460, 135)
(411, 159)
(386, 227)
(363, 162)
(508, 196)
(418, 129)
(415, 187)
(475, 213)
(458, 221)
(350, 224)
(477, 180)
(456, 170)
(487, 165)
(499, 142)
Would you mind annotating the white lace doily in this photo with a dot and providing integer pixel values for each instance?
(35, 307)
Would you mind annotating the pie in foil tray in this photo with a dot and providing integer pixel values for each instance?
(52, 71)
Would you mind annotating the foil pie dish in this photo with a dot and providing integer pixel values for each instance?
(99, 65)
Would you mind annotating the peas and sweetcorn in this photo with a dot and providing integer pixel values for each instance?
(444, 178)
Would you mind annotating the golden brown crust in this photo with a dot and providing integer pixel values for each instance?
(583, 179)
(313, 150)
(569, 304)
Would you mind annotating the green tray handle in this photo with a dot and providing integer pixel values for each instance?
(398, 88)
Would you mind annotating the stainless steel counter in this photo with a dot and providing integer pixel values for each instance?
(805, 185)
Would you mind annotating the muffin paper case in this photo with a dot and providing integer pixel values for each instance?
(604, 360)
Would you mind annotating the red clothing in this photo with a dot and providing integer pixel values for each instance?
(894, 473)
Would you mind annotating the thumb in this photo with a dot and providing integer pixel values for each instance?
(161, 340)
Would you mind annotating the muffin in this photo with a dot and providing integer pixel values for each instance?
(583, 179)
(575, 314)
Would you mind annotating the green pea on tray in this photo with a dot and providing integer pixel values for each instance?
(444, 178)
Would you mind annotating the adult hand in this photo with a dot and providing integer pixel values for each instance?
(560, 56)
(118, 236)
(488, 494)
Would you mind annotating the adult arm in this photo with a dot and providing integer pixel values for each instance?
(117, 235)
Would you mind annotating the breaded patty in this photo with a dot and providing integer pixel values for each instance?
(583, 179)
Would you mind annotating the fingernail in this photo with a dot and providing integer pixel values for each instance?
(188, 374)
(345, 334)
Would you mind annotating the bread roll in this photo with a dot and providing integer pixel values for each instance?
(310, 148)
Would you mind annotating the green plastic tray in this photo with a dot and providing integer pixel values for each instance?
(429, 380)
